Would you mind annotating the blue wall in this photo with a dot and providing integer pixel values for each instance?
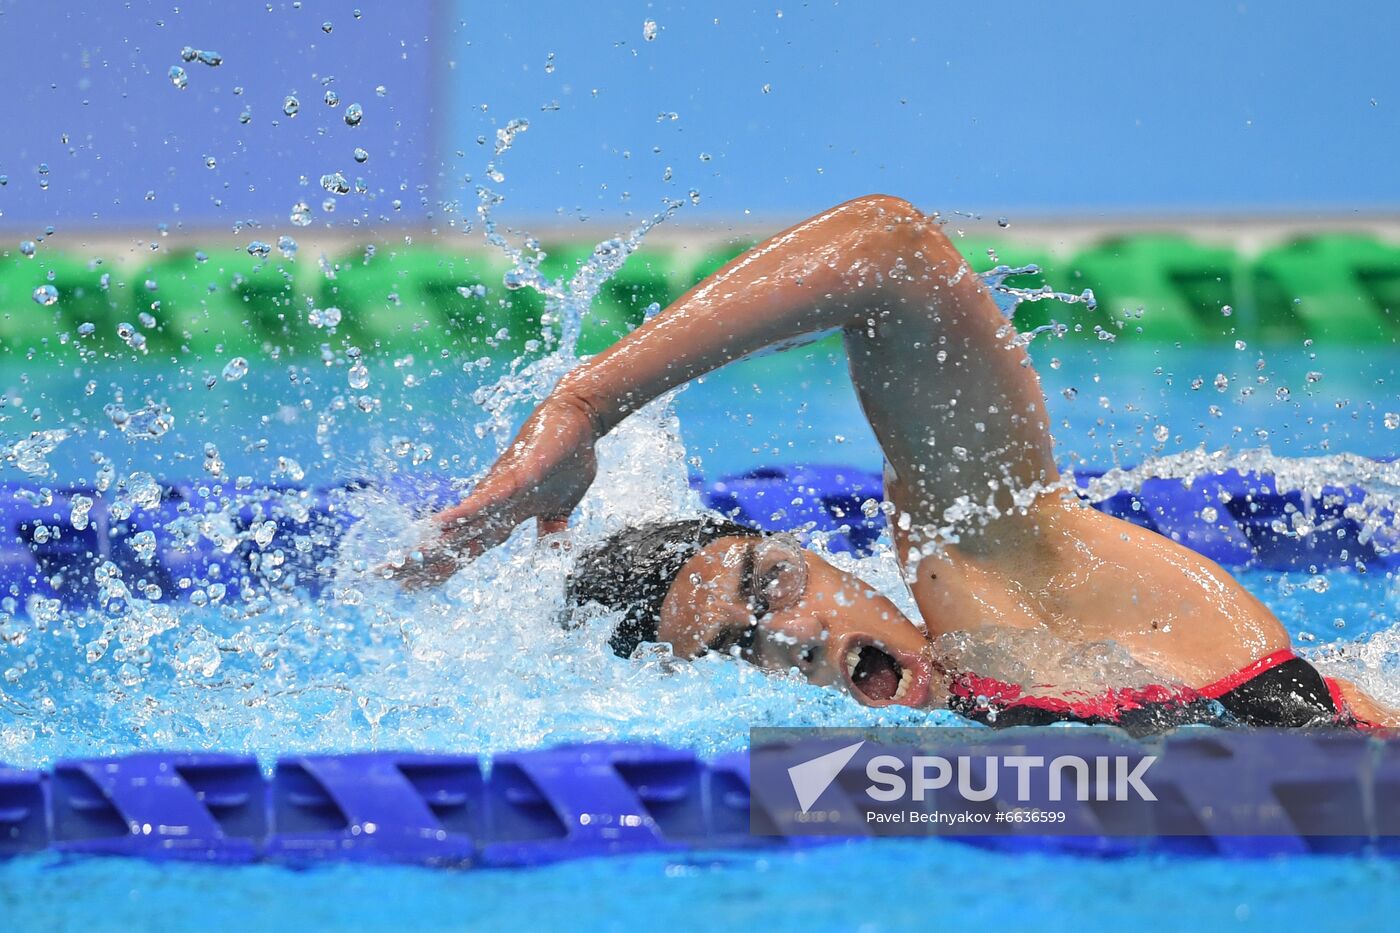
(1080, 105)
(97, 72)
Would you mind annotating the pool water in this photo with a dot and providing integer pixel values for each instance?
(481, 666)
(890, 885)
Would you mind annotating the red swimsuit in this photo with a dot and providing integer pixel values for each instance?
(1281, 689)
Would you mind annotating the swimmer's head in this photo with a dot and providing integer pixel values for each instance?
(632, 572)
(709, 585)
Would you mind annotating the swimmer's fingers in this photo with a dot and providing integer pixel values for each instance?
(435, 565)
(550, 526)
(551, 532)
(421, 571)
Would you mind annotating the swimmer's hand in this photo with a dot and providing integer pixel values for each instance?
(542, 475)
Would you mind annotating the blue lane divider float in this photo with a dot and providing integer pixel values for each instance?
(574, 801)
(1237, 519)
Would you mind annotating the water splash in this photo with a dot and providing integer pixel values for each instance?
(30, 454)
(1010, 297)
(252, 660)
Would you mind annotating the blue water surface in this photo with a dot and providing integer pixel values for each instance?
(866, 886)
(338, 691)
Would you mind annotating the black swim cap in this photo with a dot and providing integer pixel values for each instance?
(633, 570)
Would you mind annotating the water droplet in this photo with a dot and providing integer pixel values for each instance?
(211, 162)
(327, 26)
(264, 532)
(1161, 433)
(301, 214)
(323, 317)
(87, 329)
(1391, 420)
(46, 295)
(1226, 311)
(144, 544)
(27, 248)
(649, 30)
(358, 376)
(132, 337)
(335, 183)
(78, 513)
(142, 491)
(331, 98)
(361, 155)
(286, 246)
(1282, 393)
(549, 63)
(245, 117)
(146, 423)
(380, 90)
(291, 106)
(1313, 376)
(210, 57)
(1240, 345)
(505, 135)
(188, 54)
(236, 369)
(178, 77)
(354, 114)
(260, 249)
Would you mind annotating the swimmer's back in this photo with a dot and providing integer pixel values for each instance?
(1084, 576)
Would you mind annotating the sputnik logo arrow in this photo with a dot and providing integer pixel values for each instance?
(810, 779)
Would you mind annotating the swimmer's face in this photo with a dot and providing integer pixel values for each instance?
(777, 606)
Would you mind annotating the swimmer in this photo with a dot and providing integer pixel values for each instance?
(960, 418)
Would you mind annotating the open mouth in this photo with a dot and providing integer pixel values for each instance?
(880, 679)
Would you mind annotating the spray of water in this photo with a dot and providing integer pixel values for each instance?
(257, 662)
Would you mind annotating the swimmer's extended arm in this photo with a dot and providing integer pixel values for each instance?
(830, 271)
(1366, 708)
(838, 269)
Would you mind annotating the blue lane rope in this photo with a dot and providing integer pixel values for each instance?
(573, 801)
(1237, 519)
